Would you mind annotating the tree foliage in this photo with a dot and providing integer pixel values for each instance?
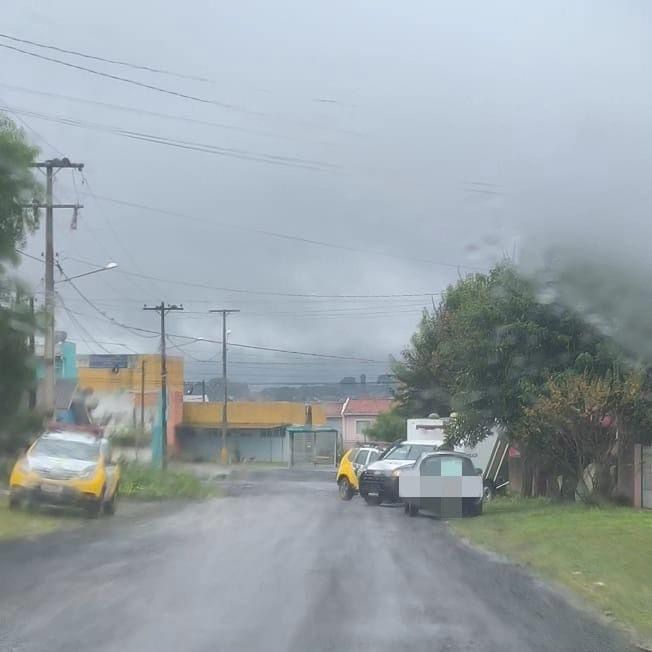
(389, 426)
(17, 187)
(497, 352)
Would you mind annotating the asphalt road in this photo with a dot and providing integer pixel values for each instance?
(280, 565)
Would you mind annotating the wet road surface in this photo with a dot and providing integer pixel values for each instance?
(280, 565)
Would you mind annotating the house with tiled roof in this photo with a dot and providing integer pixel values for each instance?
(358, 415)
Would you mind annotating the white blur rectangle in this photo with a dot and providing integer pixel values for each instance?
(415, 486)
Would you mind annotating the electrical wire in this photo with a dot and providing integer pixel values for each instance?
(229, 152)
(127, 80)
(118, 62)
(231, 344)
(268, 292)
(75, 321)
(158, 114)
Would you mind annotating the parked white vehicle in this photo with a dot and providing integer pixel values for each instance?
(444, 483)
(489, 455)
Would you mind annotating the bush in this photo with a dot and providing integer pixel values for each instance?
(140, 481)
(131, 437)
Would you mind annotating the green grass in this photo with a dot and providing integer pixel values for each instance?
(20, 523)
(141, 481)
(604, 554)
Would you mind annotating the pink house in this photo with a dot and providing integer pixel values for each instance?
(358, 414)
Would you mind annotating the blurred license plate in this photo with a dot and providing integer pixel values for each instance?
(51, 489)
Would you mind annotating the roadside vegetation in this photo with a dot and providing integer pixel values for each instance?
(18, 187)
(501, 350)
(147, 483)
(601, 553)
(18, 524)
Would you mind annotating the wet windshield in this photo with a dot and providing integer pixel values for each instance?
(408, 452)
(76, 450)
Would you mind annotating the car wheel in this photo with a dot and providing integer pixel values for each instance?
(345, 488)
(406, 508)
(110, 505)
(93, 509)
(413, 509)
(372, 499)
(14, 501)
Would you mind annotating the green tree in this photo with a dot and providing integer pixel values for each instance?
(389, 426)
(577, 425)
(488, 350)
(17, 188)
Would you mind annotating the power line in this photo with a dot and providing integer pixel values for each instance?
(285, 236)
(242, 346)
(118, 62)
(229, 152)
(77, 323)
(264, 292)
(127, 80)
(157, 114)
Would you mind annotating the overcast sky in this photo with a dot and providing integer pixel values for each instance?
(444, 135)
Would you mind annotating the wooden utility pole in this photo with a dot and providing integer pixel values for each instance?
(48, 347)
(162, 309)
(225, 402)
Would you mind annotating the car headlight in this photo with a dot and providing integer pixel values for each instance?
(88, 473)
(396, 473)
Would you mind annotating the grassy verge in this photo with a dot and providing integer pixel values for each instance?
(603, 554)
(141, 481)
(23, 524)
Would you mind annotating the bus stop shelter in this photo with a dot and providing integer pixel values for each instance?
(311, 445)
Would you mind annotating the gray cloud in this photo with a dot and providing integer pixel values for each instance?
(456, 129)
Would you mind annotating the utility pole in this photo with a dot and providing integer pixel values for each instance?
(162, 309)
(32, 350)
(48, 348)
(142, 406)
(225, 402)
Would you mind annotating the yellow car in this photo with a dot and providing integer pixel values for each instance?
(352, 464)
(66, 468)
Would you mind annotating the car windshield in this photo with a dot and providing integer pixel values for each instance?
(408, 451)
(76, 450)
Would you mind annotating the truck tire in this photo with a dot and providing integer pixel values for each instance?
(413, 509)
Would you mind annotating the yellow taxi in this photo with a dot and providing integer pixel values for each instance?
(66, 468)
(352, 464)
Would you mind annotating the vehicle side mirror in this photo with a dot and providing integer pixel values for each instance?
(479, 471)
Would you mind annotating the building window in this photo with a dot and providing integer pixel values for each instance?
(361, 425)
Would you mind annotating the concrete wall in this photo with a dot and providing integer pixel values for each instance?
(257, 445)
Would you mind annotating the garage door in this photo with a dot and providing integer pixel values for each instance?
(647, 477)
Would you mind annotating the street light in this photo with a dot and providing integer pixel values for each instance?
(106, 268)
(193, 341)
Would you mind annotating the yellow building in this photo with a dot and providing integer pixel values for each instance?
(257, 431)
(118, 385)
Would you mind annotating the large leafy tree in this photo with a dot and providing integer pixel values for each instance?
(18, 187)
(489, 349)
